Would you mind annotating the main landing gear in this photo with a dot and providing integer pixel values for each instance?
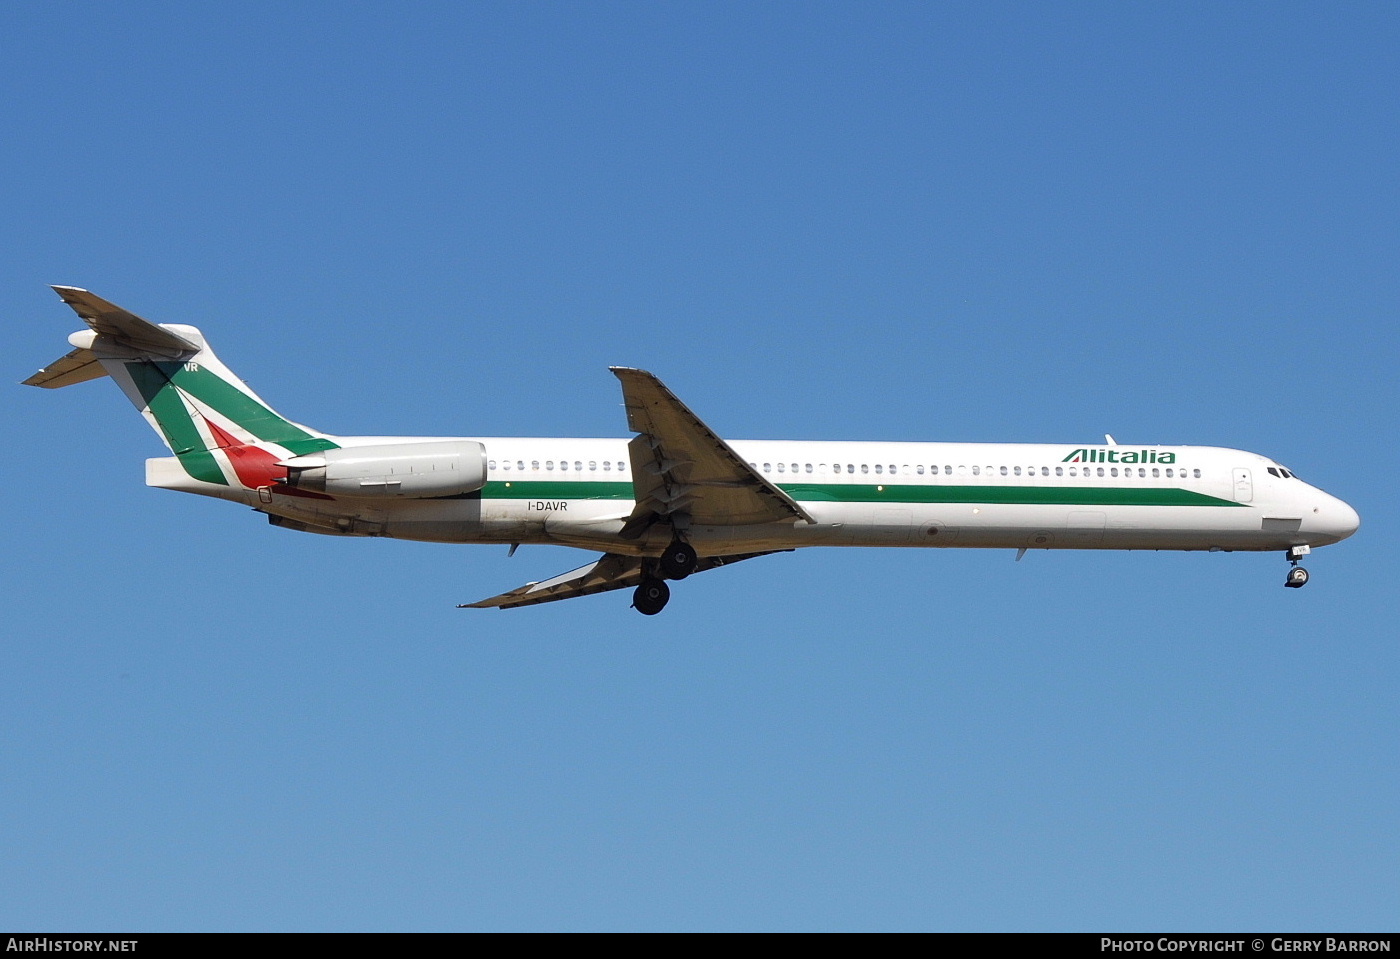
(650, 598)
(1297, 576)
(677, 562)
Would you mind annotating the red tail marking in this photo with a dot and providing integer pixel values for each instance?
(255, 466)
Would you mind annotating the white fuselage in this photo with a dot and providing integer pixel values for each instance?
(578, 492)
(676, 498)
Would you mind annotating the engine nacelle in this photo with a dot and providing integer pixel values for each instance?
(403, 470)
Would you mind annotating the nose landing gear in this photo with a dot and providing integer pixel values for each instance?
(1297, 576)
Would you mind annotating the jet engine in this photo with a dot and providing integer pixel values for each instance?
(393, 470)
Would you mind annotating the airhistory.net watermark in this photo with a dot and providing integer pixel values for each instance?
(44, 944)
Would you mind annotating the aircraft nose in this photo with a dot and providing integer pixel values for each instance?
(1336, 518)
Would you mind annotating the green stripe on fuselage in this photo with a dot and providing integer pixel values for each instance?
(550, 489)
(556, 489)
(1009, 495)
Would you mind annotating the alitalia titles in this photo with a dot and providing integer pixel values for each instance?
(1115, 455)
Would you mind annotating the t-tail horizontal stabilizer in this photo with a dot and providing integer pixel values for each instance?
(117, 327)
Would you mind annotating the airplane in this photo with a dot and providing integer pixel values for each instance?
(676, 498)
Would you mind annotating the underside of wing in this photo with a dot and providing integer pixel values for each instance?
(610, 571)
(682, 469)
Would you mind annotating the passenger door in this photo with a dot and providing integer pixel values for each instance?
(1244, 485)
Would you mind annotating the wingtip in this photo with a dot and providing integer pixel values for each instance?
(481, 604)
(621, 371)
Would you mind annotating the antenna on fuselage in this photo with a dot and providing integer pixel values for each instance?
(1108, 438)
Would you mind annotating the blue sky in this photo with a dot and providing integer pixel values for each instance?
(1174, 222)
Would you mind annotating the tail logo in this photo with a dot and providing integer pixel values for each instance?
(179, 397)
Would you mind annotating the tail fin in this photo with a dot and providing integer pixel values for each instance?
(220, 430)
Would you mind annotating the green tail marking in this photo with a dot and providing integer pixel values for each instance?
(242, 409)
(161, 383)
(175, 422)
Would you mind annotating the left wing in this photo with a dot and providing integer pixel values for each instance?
(609, 571)
(681, 467)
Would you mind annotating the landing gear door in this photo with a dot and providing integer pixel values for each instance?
(1244, 485)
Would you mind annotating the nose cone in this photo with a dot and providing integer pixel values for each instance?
(1334, 519)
